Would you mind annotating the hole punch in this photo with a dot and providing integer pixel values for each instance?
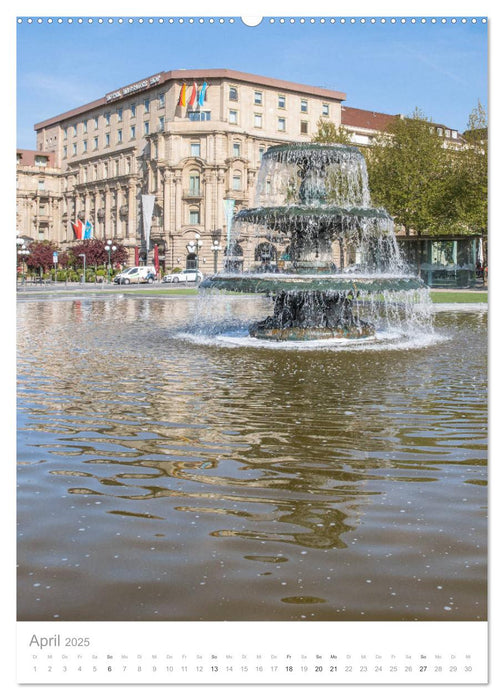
(252, 21)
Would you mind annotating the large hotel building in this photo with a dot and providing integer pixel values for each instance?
(191, 138)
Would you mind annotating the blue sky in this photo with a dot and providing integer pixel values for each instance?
(440, 68)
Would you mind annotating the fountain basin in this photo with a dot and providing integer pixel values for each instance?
(253, 283)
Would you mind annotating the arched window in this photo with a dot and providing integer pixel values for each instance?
(237, 180)
(194, 215)
(194, 183)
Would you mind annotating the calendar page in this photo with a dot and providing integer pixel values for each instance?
(251, 310)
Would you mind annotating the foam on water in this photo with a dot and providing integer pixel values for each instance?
(383, 340)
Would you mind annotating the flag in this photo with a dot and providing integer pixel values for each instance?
(229, 205)
(194, 95)
(77, 229)
(202, 94)
(147, 208)
(156, 258)
(137, 256)
(182, 98)
(88, 230)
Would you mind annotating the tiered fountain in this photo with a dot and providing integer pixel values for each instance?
(339, 256)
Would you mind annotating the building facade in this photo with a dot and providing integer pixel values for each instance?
(193, 139)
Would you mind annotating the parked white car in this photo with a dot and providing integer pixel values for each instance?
(184, 276)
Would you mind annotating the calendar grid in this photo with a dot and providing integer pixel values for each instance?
(210, 653)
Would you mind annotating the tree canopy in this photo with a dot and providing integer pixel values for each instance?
(328, 133)
(428, 187)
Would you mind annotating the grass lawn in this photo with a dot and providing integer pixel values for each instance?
(448, 297)
(438, 296)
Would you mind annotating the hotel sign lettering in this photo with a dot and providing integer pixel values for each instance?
(136, 87)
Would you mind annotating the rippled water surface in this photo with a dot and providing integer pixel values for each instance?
(161, 478)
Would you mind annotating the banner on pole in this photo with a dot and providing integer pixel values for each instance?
(147, 209)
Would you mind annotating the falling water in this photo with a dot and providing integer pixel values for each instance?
(315, 243)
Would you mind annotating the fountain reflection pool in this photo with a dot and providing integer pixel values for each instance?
(161, 479)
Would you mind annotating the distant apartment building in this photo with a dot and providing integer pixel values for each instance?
(191, 138)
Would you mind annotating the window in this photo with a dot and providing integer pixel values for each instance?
(440, 131)
(84, 146)
(258, 98)
(96, 122)
(258, 121)
(199, 116)
(75, 129)
(74, 149)
(146, 104)
(236, 150)
(233, 116)
(146, 128)
(281, 123)
(233, 93)
(133, 110)
(194, 184)
(119, 114)
(161, 99)
(304, 127)
(261, 152)
(107, 139)
(41, 160)
(107, 118)
(325, 110)
(281, 101)
(161, 124)
(195, 150)
(84, 126)
(41, 184)
(65, 132)
(194, 216)
(304, 105)
(454, 134)
(237, 181)
(65, 151)
(132, 132)
(95, 143)
(119, 136)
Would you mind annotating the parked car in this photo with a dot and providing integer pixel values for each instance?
(141, 274)
(184, 276)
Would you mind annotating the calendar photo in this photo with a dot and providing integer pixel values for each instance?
(252, 268)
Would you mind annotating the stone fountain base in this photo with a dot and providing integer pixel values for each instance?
(312, 315)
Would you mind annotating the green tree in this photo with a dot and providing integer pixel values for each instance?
(407, 170)
(473, 192)
(328, 133)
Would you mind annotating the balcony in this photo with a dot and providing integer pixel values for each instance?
(193, 194)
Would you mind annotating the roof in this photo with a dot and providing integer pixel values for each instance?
(190, 75)
(28, 157)
(362, 118)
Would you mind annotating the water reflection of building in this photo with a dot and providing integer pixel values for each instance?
(191, 138)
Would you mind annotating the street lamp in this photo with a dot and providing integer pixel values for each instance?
(109, 248)
(193, 248)
(215, 247)
(83, 255)
(23, 252)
